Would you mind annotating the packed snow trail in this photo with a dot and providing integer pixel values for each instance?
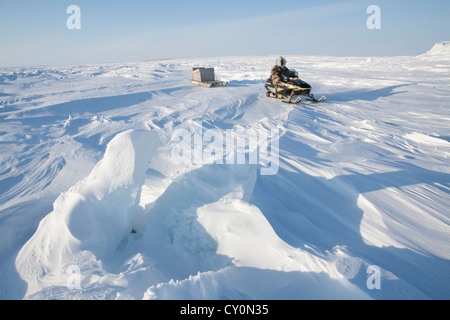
(363, 180)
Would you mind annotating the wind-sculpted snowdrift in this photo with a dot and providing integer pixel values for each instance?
(89, 220)
(201, 225)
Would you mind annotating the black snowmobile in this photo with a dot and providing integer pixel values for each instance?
(291, 91)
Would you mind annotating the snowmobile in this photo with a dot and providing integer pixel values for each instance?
(291, 91)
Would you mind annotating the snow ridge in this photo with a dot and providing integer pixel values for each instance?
(440, 51)
(93, 215)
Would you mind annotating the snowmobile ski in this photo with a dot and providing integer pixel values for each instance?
(289, 100)
(296, 99)
(314, 100)
(293, 100)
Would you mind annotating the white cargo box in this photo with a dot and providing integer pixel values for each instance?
(205, 77)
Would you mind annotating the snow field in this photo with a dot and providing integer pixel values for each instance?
(363, 180)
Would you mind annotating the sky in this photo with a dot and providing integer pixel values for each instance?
(36, 33)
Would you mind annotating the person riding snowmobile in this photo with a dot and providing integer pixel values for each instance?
(281, 73)
(285, 84)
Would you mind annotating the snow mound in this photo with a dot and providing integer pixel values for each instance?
(260, 284)
(89, 220)
(230, 220)
(440, 50)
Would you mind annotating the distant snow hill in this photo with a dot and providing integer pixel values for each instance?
(440, 50)
(93, 205)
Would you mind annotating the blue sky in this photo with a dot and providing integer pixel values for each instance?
(35, 33)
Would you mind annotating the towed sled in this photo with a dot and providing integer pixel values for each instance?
(291, 91)
(205, 77)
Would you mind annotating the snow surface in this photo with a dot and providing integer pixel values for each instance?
(89, 188)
